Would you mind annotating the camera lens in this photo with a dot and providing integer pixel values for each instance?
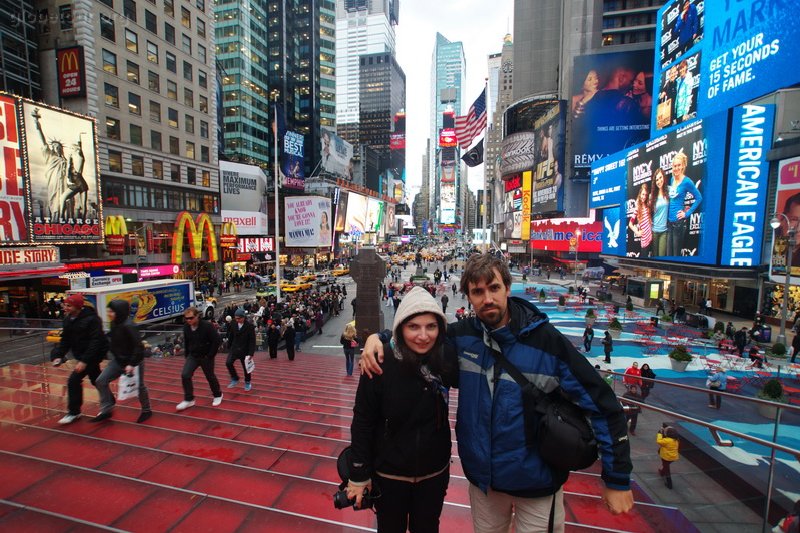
(340, 500)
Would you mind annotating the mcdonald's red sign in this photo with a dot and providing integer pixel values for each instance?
(71, 73)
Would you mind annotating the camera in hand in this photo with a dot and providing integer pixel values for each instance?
(340, 500)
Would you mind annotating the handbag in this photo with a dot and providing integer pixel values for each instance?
(128, 385)
(354, 343)
(554, 424)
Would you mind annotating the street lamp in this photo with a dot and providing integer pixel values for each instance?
(790, 244)
(575, 266)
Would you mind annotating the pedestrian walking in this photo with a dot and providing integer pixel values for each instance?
(350, 343)
(445, 299)
(588, 336)
(127, 356)
(289, 334)
(608, 346)
(717, 381)
(241, 347)
(201, 344)
(454, 288)
(273, 338)
(632, 411)
(82, 334)
(647, 386)
(668, 451)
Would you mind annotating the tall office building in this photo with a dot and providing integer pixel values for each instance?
(501, 77)
(626, 22)
(19, 56)
(448, 73)
(363, 27)
(150, 82)
(241, 49)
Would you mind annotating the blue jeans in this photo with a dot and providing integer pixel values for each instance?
(349, 356)
(299, 337)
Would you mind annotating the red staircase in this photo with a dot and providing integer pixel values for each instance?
(264, 460)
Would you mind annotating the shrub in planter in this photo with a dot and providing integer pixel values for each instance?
(629, 305)
(571, 289)
(772, 391)
(615, 324)
(778, 349)
(719, 327)
(681, 354)
(590, 313)
(542, 295)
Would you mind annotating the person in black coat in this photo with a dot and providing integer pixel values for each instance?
(242, 347)
(288, 337)
(201, 342)
(608, 346)
(127, 355)
(273, 337)
(82, 334)
(401, 439)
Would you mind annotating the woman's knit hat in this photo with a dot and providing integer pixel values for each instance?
(417, 301)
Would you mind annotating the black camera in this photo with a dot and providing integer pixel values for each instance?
(340, 499)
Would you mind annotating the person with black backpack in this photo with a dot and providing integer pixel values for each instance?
(127, 356)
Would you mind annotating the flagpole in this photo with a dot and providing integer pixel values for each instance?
(485, 191)
(277, 221)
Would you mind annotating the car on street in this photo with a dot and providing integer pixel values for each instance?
(341, 271)
(324, 278)
(305, 278)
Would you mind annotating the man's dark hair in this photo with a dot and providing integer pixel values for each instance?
(481, 267)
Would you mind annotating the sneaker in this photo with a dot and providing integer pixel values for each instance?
(104, 415)
(233, 383)
(217, 401)
(184, 405)
(69, 419)
(247, 386)
(144, 416)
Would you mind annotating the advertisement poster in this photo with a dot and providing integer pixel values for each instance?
(549, 160)
(608, 181)
(155, 303)
(13, 213)
(62, 169)
(356, 220)
(307, 220)
(610, 107)
(554, 234)
(374, 214)
(447, 206)
(747, 49)
(341, 211)
(787, 203)
(336, 154)
(293, 148)
(244, 197)
(677, 94)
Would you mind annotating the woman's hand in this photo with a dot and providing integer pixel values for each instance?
(356, 490)
(371, 356)
(129, 369)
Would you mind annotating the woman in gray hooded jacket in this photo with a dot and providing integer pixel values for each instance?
(127, 353)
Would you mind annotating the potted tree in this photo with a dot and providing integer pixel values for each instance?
(614, 328)
(542, 295)
(773, 392)
(665, 321)
(562, 302)
(571, 290)
(679, 358)
(778, 350)
(590, 316)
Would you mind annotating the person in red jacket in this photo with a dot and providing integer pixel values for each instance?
(632, 376)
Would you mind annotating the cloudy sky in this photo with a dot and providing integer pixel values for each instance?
(480, 25)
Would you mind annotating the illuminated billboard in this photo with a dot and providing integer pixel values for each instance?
(13, 212)
(244, 197)
(307, 220)
(356, 219)
(547, 192)
(336, 154)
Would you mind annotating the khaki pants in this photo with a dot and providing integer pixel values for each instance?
(492, 513)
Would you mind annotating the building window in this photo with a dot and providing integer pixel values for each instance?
(153, 81)
(134, 104)
(201, 28)
(152, 52)
(169, 33)
(109, 3)
(169, 8)
(204, 129)
(175, 172)
(137, 165)
(155, 140)
(201, 53)
(131, 41)
(109, 62)
(206, 177)
(188, 72)
(201, 5)
(112, 128)
(186, 43)
(129, 9)
(150, 21)
(112, 95)
(174, 147)
(107, 30)
(172, 62)
(186, 18)
(203, 103)
(205, 154)
(136, 134)
(188, 97)
(202, 78)
(133, 72)
(191, 175)
(188, 123)
(155, 111)
(172, 90)
(190, 149)
(158, 169)
(172, 117)
(114, 161)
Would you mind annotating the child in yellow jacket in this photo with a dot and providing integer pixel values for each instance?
(667, 440)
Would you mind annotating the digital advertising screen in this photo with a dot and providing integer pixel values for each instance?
(356, 220)
(608, 177)
(293, 149)
(307, 220)
(611, 102)
(745, 49)
(677, 94)
(787, 203)
(547, 183)
(336, 154)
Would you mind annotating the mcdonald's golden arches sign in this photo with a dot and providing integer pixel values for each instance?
(71, 72)
(195, 230)
(228, 235)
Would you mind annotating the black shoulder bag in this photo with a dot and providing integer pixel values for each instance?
(564, 436)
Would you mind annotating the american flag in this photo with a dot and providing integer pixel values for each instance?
(468, 127)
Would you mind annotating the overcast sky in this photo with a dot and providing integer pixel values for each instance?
(480, 25)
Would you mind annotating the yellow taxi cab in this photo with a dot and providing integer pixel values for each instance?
(305, 278)
(54, 335)
(341, 271)
(304, 285)
(287, 286)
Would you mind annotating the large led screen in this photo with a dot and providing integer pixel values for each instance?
(787, 203)
(610, 107)
(549, 161)
(608, 181)
(746, 48)
(356, 220)
(13, 212)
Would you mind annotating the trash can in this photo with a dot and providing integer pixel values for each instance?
(766, 334)
(654, 321)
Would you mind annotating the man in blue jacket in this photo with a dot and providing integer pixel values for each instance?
(507, 477)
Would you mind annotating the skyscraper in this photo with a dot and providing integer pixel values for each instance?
(448, 72)
(19, 56)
